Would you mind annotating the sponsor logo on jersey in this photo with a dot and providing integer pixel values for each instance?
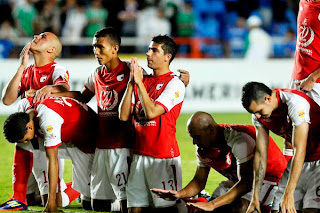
(177, 94)
(66, 77)
(108, 99)
(52, 136)
(49, 128)
(301, 113)
(120, 77)
(159, 86)
(43, 78)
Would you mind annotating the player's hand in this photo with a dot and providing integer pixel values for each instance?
(307, 84)
(287, 204)
(253, 208)
(169, 195)
(51, 207)
(209, 206)
(30, 93)
(24, 55)
(137, 71)
(42, 93)
(184, 77)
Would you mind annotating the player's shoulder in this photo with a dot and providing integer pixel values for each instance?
(59, 68)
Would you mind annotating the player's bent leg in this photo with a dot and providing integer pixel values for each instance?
(170, 209)
(310, 210)
(123, 206)
(101, 205)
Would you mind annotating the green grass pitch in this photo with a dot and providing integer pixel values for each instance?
(187, 150)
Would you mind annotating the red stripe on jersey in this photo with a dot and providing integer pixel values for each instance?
(165, 108)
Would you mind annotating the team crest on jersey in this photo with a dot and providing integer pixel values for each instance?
(43, 78)
(159, 86)
(120, 77)
(301, 113)
(306, 34)
(108, 99)
(49, 128)
(52, 136)
(228, 160)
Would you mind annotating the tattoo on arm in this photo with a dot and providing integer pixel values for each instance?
(260, 176)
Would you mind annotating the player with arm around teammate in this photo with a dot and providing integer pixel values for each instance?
(64, 123)
(43, 77)
(229, 149)
(294, 116)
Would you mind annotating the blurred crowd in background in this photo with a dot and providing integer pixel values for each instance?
(202, 28)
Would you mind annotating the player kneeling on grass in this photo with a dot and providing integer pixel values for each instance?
(229, 149)
(60, 122)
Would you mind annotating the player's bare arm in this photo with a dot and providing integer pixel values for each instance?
(242, 187)
(300, 136)
(10, 92)
(259, 167)
(84, 96)
(52, 155)
(184, 76)
(151, 109)
(307, 84)
(46, 91)
(125, 107)
(195, 186)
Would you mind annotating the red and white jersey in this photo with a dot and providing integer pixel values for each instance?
(62, 119)
(307, 55)
(109, 87)
(236, 145)
(295, 108)
(157, 137)
(37, 77)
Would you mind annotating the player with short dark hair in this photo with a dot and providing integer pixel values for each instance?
(53, 121)
(155, 102)
(294, 116)
(229, 149)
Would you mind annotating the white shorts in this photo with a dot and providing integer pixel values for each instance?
(307, 193)
(266, 196)
(148, 172)
(109, 174)
(81, 167)
(314, 93)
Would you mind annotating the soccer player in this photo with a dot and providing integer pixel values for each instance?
(306, 70)
(57, 120)
(155, 102)
(294, 116)
(229, 149)
(113, 152)
(42, 77)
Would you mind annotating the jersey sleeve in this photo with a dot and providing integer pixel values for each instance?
(60, 75)
(242, 145)
(298, 110)
(199, 161)
(172, 95)
(255, 121)
(89, 84)
(24, 105)
(50, 123)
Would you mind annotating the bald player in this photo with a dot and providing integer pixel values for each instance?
(229, 149)
(40, 79)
